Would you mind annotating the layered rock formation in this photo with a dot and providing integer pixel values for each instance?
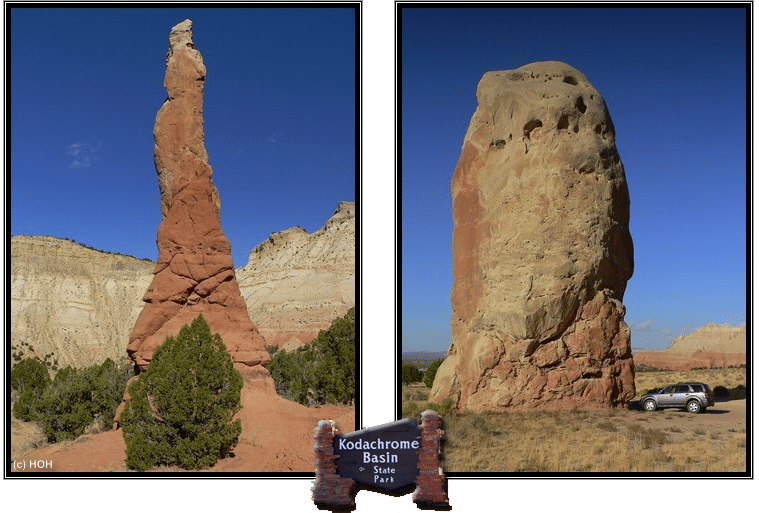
(711, 346)
(194, 273)
(75, 302)
(541, 249)
(81, 303)
(296, 283)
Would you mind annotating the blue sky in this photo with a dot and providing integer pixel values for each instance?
(86, 84)
(674, 81)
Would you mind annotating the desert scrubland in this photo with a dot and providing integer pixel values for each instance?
(607, 440)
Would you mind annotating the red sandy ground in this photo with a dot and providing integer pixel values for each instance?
(277, 436)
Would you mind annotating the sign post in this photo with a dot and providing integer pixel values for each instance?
(329, 490)
(388, 457)
(429, 484)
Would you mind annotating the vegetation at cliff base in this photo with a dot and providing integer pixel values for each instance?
(181, 408)
(29, 379)
(410, 373)
(431, 372)
(322, 372)
(75, 400)
(29, 373)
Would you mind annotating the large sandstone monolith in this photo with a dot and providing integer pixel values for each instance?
(194, 273)
(541, 249)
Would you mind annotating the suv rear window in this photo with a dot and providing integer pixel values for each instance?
(697, 388)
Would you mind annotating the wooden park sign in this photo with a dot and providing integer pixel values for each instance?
(388, 457)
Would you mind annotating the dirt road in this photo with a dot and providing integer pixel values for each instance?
(724, 415)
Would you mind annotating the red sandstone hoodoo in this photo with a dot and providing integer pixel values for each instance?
(541, 249)
(194, 273)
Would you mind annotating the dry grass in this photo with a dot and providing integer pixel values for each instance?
(25, 437)
(592, 441)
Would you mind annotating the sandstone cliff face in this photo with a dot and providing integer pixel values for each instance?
(81, 304)
(194, 273)
(296, 283)
(75, 302)
(541, 249)
(711, 346)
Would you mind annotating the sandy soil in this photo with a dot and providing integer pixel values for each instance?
(723, 414)
(277, 436)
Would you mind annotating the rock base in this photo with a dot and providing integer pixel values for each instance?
(589, 366)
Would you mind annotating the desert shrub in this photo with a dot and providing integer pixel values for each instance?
(607, 425)
(29, 373)
(410, 373)
(421, 395)
(445, 408)
(470, 427)
(641, 438)
(738, 392)
(181, 408)
(79, 397)
(111, 380)
(323, 371)
(429, 374)
(291, 372)
(413, 410)
(645, 368)
(67, 406)
(721, 391)
(335, 372)
(25, 405)
(51, 362)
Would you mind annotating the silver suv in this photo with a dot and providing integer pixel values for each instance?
(694, 397)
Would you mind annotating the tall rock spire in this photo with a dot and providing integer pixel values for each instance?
(194, 273)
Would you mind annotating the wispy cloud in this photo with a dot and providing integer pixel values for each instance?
(84, 154)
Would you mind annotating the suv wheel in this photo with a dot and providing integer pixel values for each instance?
(693, 406)
(649, 405)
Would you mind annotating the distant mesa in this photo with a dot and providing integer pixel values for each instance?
(714, 346)
(541, 249)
